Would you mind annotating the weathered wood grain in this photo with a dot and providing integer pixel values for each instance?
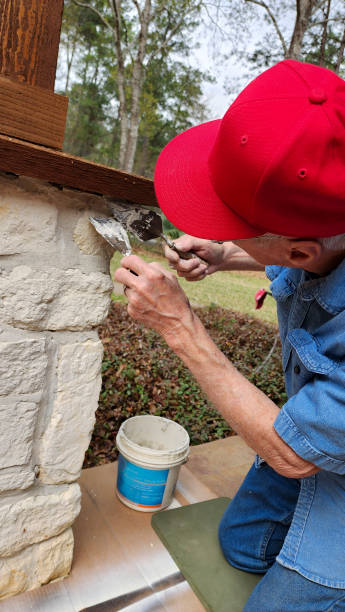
(32, 113)
(29, 40)
(31, 160)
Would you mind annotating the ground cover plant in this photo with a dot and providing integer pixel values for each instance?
(141, 375)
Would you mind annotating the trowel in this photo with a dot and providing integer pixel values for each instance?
(113, 232)
(145, 224)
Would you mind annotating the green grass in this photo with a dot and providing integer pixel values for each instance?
(233, 290)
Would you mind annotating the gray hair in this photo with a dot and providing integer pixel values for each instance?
(331, 243)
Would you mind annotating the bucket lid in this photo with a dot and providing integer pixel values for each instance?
(153, 440)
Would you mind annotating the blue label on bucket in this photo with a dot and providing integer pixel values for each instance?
(139, 485)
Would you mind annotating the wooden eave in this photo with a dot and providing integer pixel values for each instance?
(24, 158)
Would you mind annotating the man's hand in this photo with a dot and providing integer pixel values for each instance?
(194, 269)
(220, 257)
(155, 297)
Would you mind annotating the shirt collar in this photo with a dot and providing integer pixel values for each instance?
(329, 291)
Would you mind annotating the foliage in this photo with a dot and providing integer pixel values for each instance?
(126, 95)
(141, 375)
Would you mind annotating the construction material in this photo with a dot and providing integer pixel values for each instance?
(152, 450)
(64, 170)
(190, 535)
(32, 113)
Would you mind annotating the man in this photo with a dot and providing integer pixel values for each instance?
(270, 177)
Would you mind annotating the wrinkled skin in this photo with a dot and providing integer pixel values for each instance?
(155, 296)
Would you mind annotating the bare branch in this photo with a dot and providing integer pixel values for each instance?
(137, 6)
(318, 23)
(274, 21)
(168, 38)
(96, 11)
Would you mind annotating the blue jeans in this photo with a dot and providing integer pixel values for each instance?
(251, 534)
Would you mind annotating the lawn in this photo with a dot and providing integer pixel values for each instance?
(233, 290)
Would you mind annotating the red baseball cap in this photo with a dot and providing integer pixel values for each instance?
(274, 163)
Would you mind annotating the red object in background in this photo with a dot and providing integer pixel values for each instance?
(260, 297)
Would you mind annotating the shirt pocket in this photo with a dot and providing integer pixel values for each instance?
(309, 352)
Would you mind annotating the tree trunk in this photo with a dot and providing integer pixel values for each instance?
(324, 34)
(304, 10)
(136, 87)
(340, 54)
(121, 82)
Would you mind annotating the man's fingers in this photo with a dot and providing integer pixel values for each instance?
(195, 275)
(135, 263)
(171, 255)
(124, 276)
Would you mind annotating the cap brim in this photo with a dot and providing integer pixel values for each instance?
(185, 193)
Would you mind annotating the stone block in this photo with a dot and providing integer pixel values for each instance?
(22, 366)
(17, 425)
(16, 478)
(53, 299)
(27, 222)
(36, 565)
(67, 435)
(31, 518)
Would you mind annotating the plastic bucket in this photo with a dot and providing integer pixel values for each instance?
(152, 450)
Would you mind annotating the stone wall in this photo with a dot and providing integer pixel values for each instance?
(54, 291)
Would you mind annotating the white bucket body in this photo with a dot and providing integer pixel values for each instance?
(152, 450)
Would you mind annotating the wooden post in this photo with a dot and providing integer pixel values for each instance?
(29, 45)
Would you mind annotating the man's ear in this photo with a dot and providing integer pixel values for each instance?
(303, 252)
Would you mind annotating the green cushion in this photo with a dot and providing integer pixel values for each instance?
(190, 535)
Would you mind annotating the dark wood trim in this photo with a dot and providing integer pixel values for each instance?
(29, 40)
(32, 113)
(31, 160)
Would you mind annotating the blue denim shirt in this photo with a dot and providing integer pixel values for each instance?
(311, 315)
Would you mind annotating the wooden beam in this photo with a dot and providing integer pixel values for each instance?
(29, 46)
(32, 113)
(31, 160)
(29, 40)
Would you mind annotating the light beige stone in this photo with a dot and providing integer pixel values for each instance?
(22, 366)
(53, 299)
(86, 237)
(17, 425)
(16, 478)
(34, 517)
(27, 224)
(36, 565)
(67, 436)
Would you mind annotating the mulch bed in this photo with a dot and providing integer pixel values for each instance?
(141, 375)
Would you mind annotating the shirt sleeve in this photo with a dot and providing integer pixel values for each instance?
(312, 422)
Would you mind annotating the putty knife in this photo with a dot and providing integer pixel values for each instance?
(113, 232)
(145, 224)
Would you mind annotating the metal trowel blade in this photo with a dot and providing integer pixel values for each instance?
(144, 223)
(112, 232)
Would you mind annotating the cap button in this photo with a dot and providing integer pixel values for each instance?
(317, 96)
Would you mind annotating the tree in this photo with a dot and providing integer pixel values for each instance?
(140, 35)
(316, 22)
